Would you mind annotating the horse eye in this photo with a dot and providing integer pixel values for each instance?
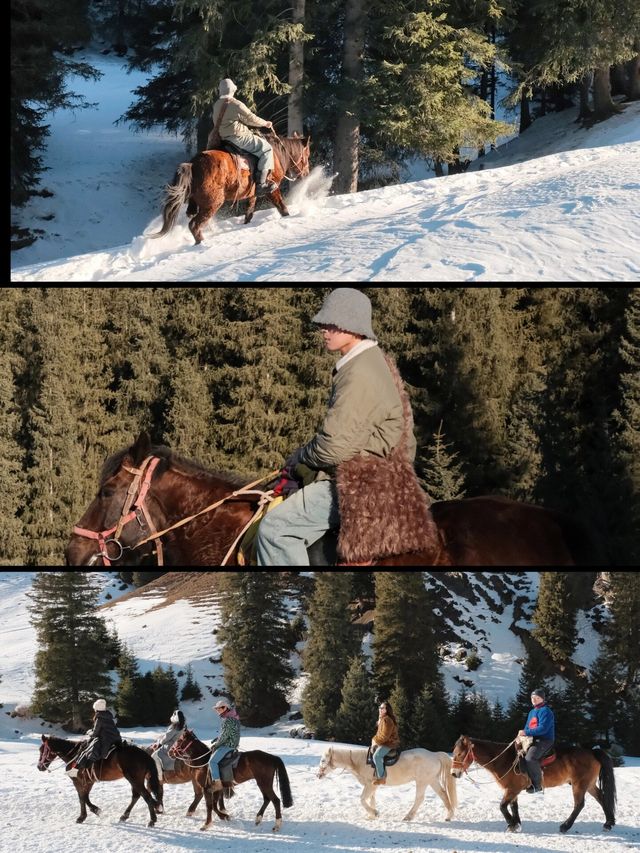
(107, 492)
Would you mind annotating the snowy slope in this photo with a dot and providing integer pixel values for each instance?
(39, 809)
(557, 204)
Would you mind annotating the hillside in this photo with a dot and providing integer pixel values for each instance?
(556, 204)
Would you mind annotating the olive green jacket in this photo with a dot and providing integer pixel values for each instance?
(365, 416)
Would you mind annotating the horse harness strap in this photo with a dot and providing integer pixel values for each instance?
(134, 504)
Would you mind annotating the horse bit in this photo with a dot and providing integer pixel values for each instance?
(134, 509)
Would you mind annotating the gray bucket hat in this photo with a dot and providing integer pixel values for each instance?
(349, 310)
(226, 88)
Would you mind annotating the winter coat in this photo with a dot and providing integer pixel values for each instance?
(103, 736)
(365, 415)
(384, 511)
(235, 120)
(229, 733)
(171, 735)
(387, 734)
(541, 723)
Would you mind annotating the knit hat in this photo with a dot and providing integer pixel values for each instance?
(226, 88)
(100, 705)
(349, 310)
(541, 693)
(223, 703)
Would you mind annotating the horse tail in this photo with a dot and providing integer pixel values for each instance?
(176, 195)
(448, 781)
(154, 780)
(283, 781)
(607, 782)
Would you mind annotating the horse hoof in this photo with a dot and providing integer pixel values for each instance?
(151, 823)
(190, 814)
(123, 819)
(516, 828)
(80, 819)
(204, 827)
(564, 828)
(608, 827)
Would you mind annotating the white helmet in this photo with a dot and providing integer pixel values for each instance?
(100, 705)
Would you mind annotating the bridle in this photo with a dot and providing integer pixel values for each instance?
(49, 755)
(466, 762)
(134, 509)
(181, 751)
(326, 764)
(298, 164)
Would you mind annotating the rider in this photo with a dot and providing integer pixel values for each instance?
(235, 127)
(227, 740)
(102, 737)
(384, 740)
(541, 726)
(366, 421)
(161, 747)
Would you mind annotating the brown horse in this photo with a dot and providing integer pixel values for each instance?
(255, 764)
(212, 177)
(582, 768)
(184, 772)
(145, 490)
(126, 761)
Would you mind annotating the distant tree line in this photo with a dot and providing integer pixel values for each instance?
(524, 392)
(374, 83)
(79, 659)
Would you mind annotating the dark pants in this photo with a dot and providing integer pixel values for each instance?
(534, 756)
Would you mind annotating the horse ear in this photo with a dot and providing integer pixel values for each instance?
(44, 739)
(142, 448)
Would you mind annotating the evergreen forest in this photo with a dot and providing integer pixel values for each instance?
(375, 84)
(529, 393)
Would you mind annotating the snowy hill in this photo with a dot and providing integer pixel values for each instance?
(39, 809)
(557, 204)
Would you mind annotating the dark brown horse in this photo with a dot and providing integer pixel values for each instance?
(212, 177)
(586, 770)
(184, 772)
(144, 490)
(255, 764)
(126, 761)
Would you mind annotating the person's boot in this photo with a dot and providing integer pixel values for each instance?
(216, 785)
(265, 184)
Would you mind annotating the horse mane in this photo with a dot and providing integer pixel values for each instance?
(191, 468)
(287, 147)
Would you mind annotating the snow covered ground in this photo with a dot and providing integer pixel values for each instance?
(39, 809)
(557, 204)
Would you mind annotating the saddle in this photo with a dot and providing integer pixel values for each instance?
(523, 746)
(390, 758)
(227, 766)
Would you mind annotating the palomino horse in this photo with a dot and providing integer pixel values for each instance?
(415, 765)
(582, 768)
(126, 761)
(145, 490)
(255, 764)
(211, 178)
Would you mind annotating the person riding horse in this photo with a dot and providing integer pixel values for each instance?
(160, 752)
(385, 739)
(227, 740)
(540, 726)
(102, 737)
(235, 127)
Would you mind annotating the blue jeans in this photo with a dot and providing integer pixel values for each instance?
(378, 760)
(289, 529)
(217, 756)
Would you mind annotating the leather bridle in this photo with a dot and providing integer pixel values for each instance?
(134, 509)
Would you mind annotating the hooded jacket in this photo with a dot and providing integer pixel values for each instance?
(236, 119)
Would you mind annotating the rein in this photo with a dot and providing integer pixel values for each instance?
(470, 753)
(181, 755)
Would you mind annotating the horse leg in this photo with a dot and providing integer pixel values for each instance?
(578, 799)
(276, 198)
(251, 206)
(421, 787)
(96, 811)
(596, 793)
(198, 793)
(204, 214)
(265, 803)
(82, 796)
(512, 819)
(134, 799)
(441, 791)
(368, 800)
(208, 796)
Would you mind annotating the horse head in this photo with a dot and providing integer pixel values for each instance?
(119, 517)
(46, 754)
(326, 763)
(463, 756)
(181, 748)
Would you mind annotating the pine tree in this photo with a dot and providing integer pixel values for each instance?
(13, 489)
(71, 664)
(603, 694)
(430, 722)
(331, 644)
(357, 714)
(624, 633)
(165, 694)
(404, 643)
(402, 712)
(255, 655)
(191, 689)
(532, 677)
(443, 476)
(555, 617)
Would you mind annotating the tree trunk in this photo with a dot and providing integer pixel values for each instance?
(525, 113)
(295, 116)
(493, 82)
(619, 79)
(585, 87)
(348, 128)
(633, 79)
(603, 106)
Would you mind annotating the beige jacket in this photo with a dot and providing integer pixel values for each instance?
(365, 416)
(236, 119)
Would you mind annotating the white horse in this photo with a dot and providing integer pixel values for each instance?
(415, 765)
